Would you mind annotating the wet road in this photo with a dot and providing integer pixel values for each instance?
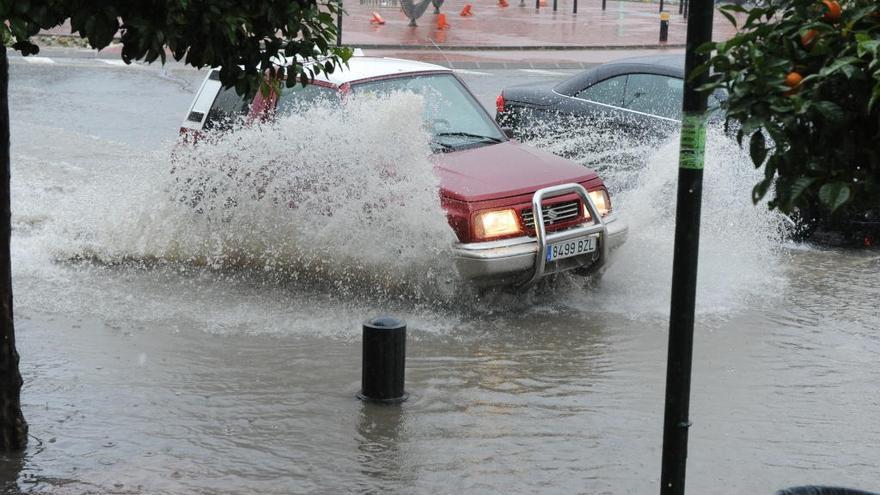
(170, 374)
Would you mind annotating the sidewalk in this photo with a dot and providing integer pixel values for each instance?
(518, 36)
(519, 26)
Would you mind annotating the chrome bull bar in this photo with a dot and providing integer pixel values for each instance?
(543, 238)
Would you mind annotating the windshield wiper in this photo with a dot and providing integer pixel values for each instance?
(443, 146)
(468, 134)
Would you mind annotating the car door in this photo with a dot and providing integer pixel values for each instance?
(599, 103)
(594, 125)
(214, 107)
(653, 102)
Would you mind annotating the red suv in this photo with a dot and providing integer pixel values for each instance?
(519, 213)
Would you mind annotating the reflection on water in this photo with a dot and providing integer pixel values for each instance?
(381, 434)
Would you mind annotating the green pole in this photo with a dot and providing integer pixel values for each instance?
(684, 264)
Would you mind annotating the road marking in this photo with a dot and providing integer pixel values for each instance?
(39, 60)
(544, 72)
(472, 72)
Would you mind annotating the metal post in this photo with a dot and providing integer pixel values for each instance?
(554, 5)
(537, 4)
(684, 264)
(680, 6)
(574, 10)
(603, 5)
(664, 27)
(339, 25)
(687, 4)
(384, 360)
(661, 6)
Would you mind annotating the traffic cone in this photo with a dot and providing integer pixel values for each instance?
(466, 10)
(503, 3)
(441, 22)
(377, 19)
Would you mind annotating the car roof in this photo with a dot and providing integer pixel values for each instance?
(664, 65)
(668, 61)
(360, 68)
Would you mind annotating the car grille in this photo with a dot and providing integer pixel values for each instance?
(553, 214)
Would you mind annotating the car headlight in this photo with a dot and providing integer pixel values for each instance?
(601, 200)
(495, 223)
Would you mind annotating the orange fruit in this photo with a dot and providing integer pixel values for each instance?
(792, 79)
(832, 11)
(808, 38)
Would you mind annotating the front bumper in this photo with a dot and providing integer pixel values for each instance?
(516, 261)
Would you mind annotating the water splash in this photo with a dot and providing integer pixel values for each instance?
(328, 213)
(340, 198)
(741, 244)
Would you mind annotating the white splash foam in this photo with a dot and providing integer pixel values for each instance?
(741, 246)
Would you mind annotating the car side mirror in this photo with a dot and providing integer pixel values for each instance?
(508, 131)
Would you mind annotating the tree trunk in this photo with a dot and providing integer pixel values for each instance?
(13, 427)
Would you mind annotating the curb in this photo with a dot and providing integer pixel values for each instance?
(470, 48)
(367, 46)
(415, 52)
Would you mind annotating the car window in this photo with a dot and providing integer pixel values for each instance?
(609, 91)
(228, 106)
(294, 98)
(451, 114)
(654, 94)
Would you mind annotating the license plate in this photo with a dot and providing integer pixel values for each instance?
(571, 247)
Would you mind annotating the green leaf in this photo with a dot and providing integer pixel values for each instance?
(830, 111)
(834, 195)
(760, 190)
(729, 16)
(732, 7)
(800, 185)
(758, 148)
(838, 65)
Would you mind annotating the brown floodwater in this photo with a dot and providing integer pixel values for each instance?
(165, 352)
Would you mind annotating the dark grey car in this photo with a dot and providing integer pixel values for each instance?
(641, 96)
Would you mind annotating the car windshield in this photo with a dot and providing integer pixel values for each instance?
(452, 116)
(297, 97)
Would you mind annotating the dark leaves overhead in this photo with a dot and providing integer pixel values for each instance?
(244, 37)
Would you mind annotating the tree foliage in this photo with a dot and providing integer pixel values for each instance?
(243, 37)
(803, 84)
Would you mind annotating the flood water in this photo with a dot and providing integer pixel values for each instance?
(167, 351)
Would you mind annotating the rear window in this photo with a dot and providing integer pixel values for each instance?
(228, 107)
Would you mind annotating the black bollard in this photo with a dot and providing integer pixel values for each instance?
(384, 360)
(664, 26)
(554, 5)
(574, 9)
(603, 5)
